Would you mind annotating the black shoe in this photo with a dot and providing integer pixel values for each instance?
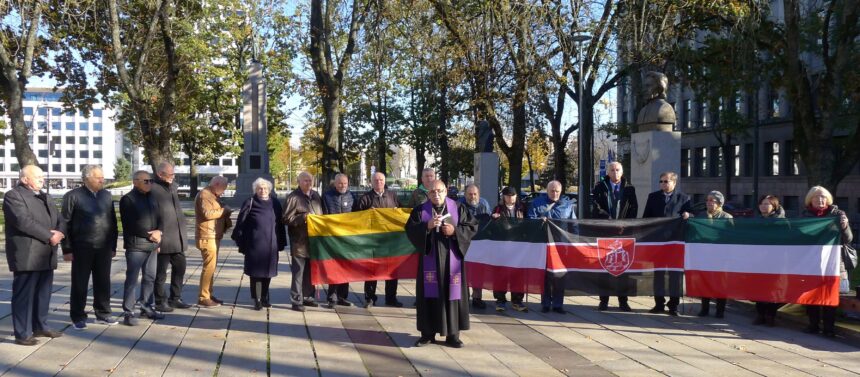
(395, 303)
(298, 308)
(266, 303)
(453, 342)
(422, 341)
(703, 312)
(179, 304)
(312, 304)
(544, 309)
(657, 309)
(673, 312)
(258, 305)
(151, 314)
(31, 341)
(343, 302)
(624, 307)
(479, 304)
(603, 306)
(369, 303)
(559, 310)
(47, 334)
(164, 308)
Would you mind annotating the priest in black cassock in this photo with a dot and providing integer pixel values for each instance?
(441, 230)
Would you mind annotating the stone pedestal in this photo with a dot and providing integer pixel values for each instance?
(651, 154)
(254, 162)
(487, 176)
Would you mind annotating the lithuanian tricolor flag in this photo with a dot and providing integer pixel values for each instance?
(361, 246)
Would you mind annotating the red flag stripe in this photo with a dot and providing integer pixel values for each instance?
(800, 289)
(503, 278)
(584, 257)
(337, 271)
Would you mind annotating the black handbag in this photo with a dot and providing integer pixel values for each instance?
(849, 257)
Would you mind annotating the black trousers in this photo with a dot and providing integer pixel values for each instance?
(767, 309)
(86, 263)
(337, 292)
(660, 302)
(818, 313)
(621, 299)
(260, 288)
(390, 290)
(31, 295)
(176, 262)
(516, 298)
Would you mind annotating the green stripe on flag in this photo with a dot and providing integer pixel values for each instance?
(803, 231)
(365, 246)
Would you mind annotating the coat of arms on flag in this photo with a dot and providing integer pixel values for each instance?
(616, 255)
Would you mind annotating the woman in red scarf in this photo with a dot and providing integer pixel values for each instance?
(819, 203)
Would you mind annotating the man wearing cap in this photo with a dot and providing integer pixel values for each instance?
(509, 208)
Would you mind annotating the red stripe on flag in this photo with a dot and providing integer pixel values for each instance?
(585, 257)
(503, 278)
(338, 271)
(795, 289)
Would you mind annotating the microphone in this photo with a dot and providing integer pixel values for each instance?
(442, 219)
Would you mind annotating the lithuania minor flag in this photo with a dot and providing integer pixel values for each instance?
(361, 246)
(774, 260)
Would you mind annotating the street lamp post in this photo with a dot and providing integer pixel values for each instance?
(584, 149)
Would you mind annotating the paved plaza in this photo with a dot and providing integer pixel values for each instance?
(235, 340)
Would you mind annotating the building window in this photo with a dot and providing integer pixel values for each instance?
(56, 111)
(772, 151)
(81, 167)
(70, 154)
(85, 154)
(735, 158)
(55, 140)
(70, 126)
(28, 111)
(227, 162)
(83, 140)
(55, 126)
(13, 153)
(14, 167)
(97, 154)
(687, 115)
(701, 162)
(774, 104)
(791, 159)
(43, 140)
(97, 113)
(70, 168)
(43, 153)
(701, 110)
(97, 140)
(716, 162)
(85, 126)
(2, 153)
(56, 168)
(70, 140)
(43, 111)
(97, 126)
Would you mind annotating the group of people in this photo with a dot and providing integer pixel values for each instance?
(440, 228)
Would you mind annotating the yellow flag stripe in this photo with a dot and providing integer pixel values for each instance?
(372, 221)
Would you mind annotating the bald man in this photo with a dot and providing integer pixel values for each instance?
(33, 231)
(213, 220)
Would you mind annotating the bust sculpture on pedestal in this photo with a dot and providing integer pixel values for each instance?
(657, 114)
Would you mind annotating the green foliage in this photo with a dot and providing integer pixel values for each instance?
(122, 170)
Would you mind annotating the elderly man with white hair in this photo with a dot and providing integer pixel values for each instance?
(33, 231)
(302, 202)
(173, 240)
(552, 205)
(213, 220)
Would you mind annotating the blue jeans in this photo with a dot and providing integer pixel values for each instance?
(137, 261)
(553, 291)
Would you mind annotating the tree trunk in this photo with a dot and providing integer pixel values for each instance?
(20, 131)
(442, 134)
(331, 138)
(194, 180)
(381, 145)
(420, 161)
(587, 132)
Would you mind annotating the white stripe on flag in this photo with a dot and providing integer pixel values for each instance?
(508, 254)
(631, 270)
(816, 260)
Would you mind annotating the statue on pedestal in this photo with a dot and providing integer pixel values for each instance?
(657, 114)
(485, 137)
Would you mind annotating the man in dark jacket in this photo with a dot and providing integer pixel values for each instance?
(667, 202)
(90, 245)
(173, 240)
(379, 197)
(141, 234)
(33, 231)
(338, 199)
(614, 198)
(419, 196)
(300, 203)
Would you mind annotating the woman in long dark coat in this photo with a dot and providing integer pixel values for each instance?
(819, 203)
(260, 236)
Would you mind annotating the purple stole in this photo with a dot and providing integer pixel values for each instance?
(455, 265)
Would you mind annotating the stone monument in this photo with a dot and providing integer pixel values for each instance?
(656, 148)
(254, 162)
(486, 164)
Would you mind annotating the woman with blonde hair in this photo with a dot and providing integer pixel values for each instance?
(819, 203)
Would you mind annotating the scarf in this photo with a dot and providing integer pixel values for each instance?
(455, 264)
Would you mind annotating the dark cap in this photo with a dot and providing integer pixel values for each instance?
(509, 191)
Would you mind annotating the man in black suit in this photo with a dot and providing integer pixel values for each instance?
(33, 231)
(667, 202)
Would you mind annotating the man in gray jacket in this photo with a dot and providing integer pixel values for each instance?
(33, 231)
(173, 240)
(302, 202)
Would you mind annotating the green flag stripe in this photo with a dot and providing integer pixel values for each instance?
(381, 245)
(803, 231)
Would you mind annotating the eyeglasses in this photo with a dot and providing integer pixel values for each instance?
(665, 181)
